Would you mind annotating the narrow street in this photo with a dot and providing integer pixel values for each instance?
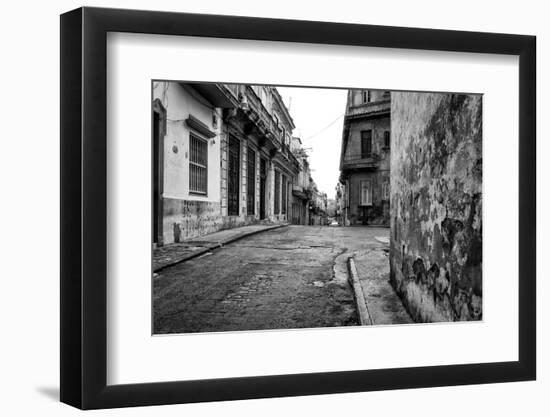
(290, 277)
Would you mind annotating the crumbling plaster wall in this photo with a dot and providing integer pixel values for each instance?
(436, 202)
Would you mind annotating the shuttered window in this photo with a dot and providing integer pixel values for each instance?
(233, 175)
(277, 202)
(198, 165)
(250, 182)
(366, 193)
(283, 195)
(387, 139)
(366, 143)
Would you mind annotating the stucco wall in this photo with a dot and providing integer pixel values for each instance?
(436, 205)
(179, 103)
(378, 213)
(187, 215)
(378, 127)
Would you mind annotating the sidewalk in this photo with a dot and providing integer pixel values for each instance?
(383, 304)
(175, 253)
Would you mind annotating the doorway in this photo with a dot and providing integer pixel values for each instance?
(234, 158)
(263, 178)
(159, 129)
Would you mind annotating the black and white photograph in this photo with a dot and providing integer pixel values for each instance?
(282, 207)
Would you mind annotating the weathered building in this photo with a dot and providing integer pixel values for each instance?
(301, 193)
(221, 157)
(331, 207)
(258, 168)
(436, 202)
(341, 200)
(317, 206)
(186, 159)
(365, 157)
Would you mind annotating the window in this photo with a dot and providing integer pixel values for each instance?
(277, 202)
(366, 96)
(251, 182)
(283, 195)
(198, 161)
(366, 143)
(366, 193)
(387, 139)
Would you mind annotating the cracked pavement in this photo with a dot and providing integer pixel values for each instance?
(291, 277)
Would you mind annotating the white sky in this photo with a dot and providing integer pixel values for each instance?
(313, 110)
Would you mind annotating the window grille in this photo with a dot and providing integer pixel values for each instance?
(198, 165)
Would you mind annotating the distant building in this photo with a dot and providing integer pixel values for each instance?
(341, 204)
(317, 205)
(331, 207)
(365, 158)
(300, 188)
(221, 158)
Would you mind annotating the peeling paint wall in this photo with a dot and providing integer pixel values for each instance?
(185, 214)
(436, 205)
(184, 219)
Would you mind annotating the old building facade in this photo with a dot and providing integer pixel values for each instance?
(436, 205)
(301, 195)
(365, 158)
(257, 167)
(221, 158)
(186, 159)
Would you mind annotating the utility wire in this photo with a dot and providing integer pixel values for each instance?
(325, 128)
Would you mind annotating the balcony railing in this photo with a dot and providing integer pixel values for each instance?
(372, 161)
(265, 120)
(371, 108)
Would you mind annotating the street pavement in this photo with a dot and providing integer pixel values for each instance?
(164, 256)
(289, 277)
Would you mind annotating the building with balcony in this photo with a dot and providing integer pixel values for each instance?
(187, 126)
(257, 166)
(365, 158)
(221, 158)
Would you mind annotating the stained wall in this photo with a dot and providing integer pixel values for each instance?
(436, 205)
(187, 215)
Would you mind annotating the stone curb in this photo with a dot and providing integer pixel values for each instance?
(364, 316)
(200, 252)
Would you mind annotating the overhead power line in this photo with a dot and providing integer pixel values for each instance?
(325, 128)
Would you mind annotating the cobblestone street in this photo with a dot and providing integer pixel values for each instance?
(290, 277)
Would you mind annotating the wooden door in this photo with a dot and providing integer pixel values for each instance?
(234, 159)
(263, 178)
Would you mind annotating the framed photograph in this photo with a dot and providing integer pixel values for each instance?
(257, 208)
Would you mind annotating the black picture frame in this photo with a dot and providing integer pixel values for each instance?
(84, 207)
